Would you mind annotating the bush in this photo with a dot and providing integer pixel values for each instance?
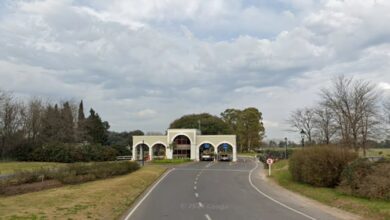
(71, 174)
(70, 153)
(367, 179)
(320, 166)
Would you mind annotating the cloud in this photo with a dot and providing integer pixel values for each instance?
(132, 60)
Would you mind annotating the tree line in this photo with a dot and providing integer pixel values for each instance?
(25, 126)
(247, 124)
(350, 112)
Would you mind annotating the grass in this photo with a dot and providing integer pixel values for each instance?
(11, 167)
(103, 199)
(171, 161)
(378, 152)
(371, 209)
(251, 154)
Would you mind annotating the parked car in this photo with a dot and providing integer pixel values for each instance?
(207, 157)
(225, 157)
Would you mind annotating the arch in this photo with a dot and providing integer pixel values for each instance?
(145, 148)
(159, 151)
(206, 151)
(182, 146)
(181, 134)
(225, 151)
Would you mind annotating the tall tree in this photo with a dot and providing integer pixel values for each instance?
(81, 124)
(303, 119)
(250, 129)
(324, 124)
(96, 128)
(208, 124)
(355, 104)
(231, 117)
(66, 124)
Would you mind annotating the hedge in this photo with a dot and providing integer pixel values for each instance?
(70, 153)
(366, 178)
(320, 166)
(71, 174)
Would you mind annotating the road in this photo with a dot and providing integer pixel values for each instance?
(223, 190)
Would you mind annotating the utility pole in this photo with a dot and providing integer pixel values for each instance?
(285, 152)
(142, 153)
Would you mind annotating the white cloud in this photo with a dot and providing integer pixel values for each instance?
(130, 58)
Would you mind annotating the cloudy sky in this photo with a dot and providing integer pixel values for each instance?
(141, 64)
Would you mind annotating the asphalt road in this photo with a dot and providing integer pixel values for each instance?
(222, 190)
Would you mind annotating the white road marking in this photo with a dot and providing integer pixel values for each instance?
(196, 195)
(195, 188)
(205, 170)
(274, 200)
(147, 194)
(195, 182)
(201, 205)
(207, 217)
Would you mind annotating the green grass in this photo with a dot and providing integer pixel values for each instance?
(171, 161)
(102, 199)
(251, 154)
(12, 167)
(372, 209)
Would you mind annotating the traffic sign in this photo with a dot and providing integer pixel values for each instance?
(270, 161)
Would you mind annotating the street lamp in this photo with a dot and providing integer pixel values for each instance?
(303, 133)
(285, 152)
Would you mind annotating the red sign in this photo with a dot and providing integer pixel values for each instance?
(270, 161)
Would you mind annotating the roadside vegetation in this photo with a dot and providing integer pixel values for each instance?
(369, 208)
(102, 199)
(171, 161)
(39, 179)
(17, 166)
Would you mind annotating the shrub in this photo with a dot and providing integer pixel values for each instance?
(70, 153)
(320, 166)
(367, 179)
(71, 174)
(277, 154)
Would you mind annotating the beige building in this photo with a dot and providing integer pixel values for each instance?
(184, 143)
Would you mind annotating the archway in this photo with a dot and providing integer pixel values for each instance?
(145, 149)
(182, 147)
(206, 151)
(159, 151)
(225, 152)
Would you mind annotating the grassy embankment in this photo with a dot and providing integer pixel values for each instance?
(371, 209)
(102, 199)
(11, 167)
(172, 161)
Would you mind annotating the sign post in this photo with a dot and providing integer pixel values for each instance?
(270, 161)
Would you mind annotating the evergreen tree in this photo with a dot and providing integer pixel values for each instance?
(66, 124)
(96, 128)
(81, 124)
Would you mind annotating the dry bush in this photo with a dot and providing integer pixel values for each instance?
(321, 165)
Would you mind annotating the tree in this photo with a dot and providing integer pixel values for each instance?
(250, 129)
(66, 124)
(324, 124)
(231, 117)
(208, 124)
(355, 105)
(10, 122)
(96, 128)
(81, 124)
(303, 119)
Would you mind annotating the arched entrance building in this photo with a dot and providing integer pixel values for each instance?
(185, 143)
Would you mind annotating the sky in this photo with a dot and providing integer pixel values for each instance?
(142, 64)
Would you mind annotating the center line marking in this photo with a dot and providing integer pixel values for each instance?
(196, 195)
(194, 187)
(201, 205)
(207, 217)
(195, 182)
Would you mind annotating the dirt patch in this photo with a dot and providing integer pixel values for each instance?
(30, 187)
